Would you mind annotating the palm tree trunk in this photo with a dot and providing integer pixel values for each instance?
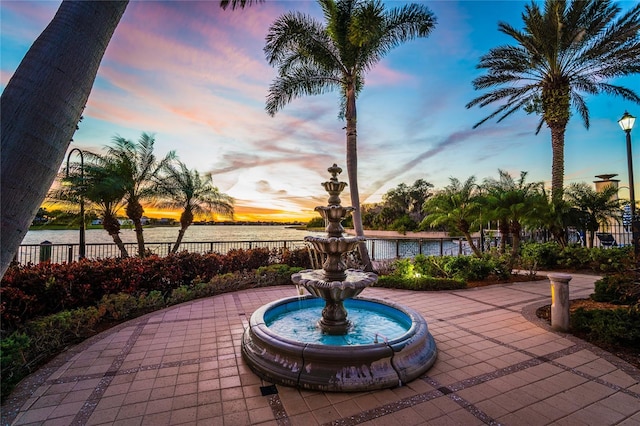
(179, 239)
(186, 219)
(352, 172)
(41, 106)
(472, 245)
(112, 226)
(557, 162)
(134, 212)
(516, 230)
(504, 234)
(118, 241)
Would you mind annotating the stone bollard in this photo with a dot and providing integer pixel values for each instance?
(559, 301)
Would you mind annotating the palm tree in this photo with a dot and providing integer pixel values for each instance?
(313, 58)
(568, 50)
(100, 189)
(195, 194)
(595, 208)
(41, 106)
(513, 203)
(457, 207)
(106, 193)
(136, 168)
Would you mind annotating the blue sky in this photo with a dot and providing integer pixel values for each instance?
(196, 76)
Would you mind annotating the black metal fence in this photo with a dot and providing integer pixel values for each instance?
(59, 253)
(379, 248)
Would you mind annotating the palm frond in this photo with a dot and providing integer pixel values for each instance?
(238, 3)
(299, 82)
(566, 47)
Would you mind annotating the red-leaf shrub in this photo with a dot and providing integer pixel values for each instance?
(31, 290)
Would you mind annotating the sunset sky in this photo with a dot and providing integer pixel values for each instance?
(196, 76)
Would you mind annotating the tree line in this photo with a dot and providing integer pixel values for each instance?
(128, 174)
(511, 203)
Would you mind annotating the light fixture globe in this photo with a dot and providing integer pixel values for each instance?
(627, 121)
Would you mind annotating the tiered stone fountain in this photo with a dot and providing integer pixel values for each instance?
(383, 345)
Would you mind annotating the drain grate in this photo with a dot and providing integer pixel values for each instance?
(445, 390)
(268, 390)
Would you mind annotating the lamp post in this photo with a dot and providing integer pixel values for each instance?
(82, 245)
(626, 123)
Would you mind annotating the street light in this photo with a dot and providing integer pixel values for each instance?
(82, 246)
(626, 123)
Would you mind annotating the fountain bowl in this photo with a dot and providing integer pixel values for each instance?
(382, 363)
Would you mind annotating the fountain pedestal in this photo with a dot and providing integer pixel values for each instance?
(334, 315)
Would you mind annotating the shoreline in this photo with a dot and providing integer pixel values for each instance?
(427, 235)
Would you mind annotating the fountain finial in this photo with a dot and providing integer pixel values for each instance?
(333, 186)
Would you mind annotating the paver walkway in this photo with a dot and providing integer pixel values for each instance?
(497, 364)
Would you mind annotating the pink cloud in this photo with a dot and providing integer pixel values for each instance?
(383, 75)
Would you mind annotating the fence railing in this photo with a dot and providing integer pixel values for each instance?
(59, 253)
(379, 248)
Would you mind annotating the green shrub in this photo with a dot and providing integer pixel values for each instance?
(619, 289)
(470, 268)
(420, 283)
(597, 259)
(611, 260)
(181, 294)
(119, 306)
(466, 268)
(13, 356)
(402, 267)
(431, 266)
(151, 302)
(23, 351)
(615, 326)
(278, 274)
(535, 256)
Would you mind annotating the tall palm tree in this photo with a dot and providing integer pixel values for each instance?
(136, 168)
(565, 51)
(42, 104)
(313, 58)
(457, 207)
(595, 208)
(195, 194)
(513, 203)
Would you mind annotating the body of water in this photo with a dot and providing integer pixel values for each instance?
(195, 233)
(220, 238)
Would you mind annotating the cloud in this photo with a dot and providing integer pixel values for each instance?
(383, 75)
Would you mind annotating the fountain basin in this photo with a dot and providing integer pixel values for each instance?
(384, 362)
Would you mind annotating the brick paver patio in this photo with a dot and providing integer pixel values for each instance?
(497, 364)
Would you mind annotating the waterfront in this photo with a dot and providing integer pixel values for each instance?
(168, 234)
